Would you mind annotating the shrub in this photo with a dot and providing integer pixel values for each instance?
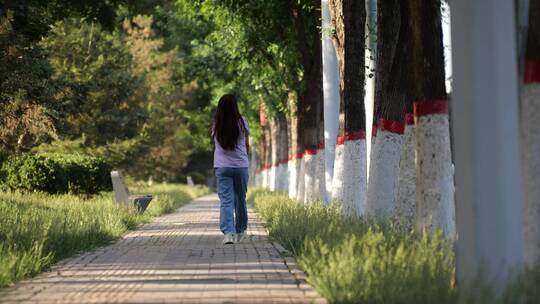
(57, 173)
(84, 174)
(34, 173)
(198, 178)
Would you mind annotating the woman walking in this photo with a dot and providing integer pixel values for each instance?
(230, 132)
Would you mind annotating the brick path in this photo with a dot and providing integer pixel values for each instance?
(178, 258)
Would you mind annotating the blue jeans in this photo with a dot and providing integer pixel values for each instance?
(232, 187)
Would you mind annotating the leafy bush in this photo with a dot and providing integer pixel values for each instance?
(198, 178)
(34, 173)
(57, 173)
(84, 174)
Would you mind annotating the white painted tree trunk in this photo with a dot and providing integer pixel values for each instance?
(280, 176)
(338, 175)
(310, 175)
(486, 142)
(301, 177)
(435, 182)
(530, 136)
(371, 56)
(320, 183)
(406, 195)
(355, 176)
(264, 174)
(350, 174)
(384, 171)
(258, 179)
(273, 176)
(331, 97)
(293, 170)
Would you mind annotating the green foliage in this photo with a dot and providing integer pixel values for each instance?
(37, 229)
(84, 174)
(99, 65)
(355, 261)
(57, 173)
(29, 98)
(35, 173)
(198, 178)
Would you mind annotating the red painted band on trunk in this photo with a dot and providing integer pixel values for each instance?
(296, 156)
(409, 118)
(320, 146)
(355, 135)
(374, 131)
(532, 71)
(430, 107)
(350, 136)
(283, 162)
(391, 126)
(310, 151)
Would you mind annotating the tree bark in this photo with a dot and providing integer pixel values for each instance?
(311, 96)
(530, 138)
(435, 186)
(295, 145)
(391, 94)
(274, 138)
(282, 147)
(349, 17)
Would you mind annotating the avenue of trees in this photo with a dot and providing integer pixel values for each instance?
(136, 82)
(408, 177)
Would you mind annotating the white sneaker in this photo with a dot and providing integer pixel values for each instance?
(229, 238)
(240, 237)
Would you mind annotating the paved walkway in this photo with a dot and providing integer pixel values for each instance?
(178, 258)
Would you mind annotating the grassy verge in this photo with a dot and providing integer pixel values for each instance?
(356, 261)
(37, 229)
(353, 261)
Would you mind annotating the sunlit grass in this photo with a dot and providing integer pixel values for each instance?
(352, 260)
(355, 261)
(37, 229)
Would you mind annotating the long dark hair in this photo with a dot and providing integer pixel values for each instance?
(227, 122)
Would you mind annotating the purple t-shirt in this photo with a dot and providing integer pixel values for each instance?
(237, 158)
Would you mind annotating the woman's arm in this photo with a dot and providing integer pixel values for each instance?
(247, 144)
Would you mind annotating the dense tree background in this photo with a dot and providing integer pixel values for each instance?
(137, 81)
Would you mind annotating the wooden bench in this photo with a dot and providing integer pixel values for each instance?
(121, 193)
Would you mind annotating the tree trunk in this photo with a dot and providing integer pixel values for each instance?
(530, 138)
(349, 17)
(406, 195)
(320, 171)
(331, 95)
(435, 185)
(266, 137)
(295, 146)
(310, 97)
(282, 146)
(274, 138)
(390, 97)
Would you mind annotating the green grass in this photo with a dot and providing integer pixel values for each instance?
(37, 229)
(351, 260)
(355, 261)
